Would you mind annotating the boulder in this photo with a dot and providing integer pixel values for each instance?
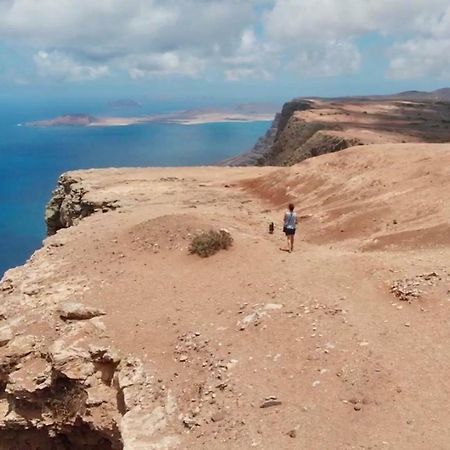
(78, 311)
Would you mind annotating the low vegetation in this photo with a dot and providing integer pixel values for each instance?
(210, 242)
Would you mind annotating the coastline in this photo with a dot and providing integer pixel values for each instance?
(82, 120)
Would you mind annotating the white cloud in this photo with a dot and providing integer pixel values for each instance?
(256, 39)
(330, 58)
(335, 19)
(247, 73)
(325, 33)
(154, 37)
(58, 66)
(419, 58)
(164, 64)
(425, 55)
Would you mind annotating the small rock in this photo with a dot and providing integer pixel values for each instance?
(357, 407)
(189, 422)
(183, 358)
(273, 306)
(269, 403)
(218, 416)
(292, 434)
(77, 311)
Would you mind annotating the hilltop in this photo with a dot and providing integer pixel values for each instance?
(113, 336)
(308, 127)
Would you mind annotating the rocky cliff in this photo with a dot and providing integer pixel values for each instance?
(69, 204)
(310, 127)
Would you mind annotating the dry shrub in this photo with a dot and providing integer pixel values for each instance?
(209, 242)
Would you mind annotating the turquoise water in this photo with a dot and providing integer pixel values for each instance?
(31, 159)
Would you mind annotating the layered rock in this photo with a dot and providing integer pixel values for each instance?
(260, 153)
(63, 385)
(69, 204)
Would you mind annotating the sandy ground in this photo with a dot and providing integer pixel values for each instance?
(346, 363)
(381, 121)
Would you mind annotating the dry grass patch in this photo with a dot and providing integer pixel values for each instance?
(210, 242)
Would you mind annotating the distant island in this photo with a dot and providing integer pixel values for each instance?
(75, 120)
(241, 113)
(125, 103)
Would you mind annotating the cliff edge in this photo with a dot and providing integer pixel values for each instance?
(311, 127)
(112, 336)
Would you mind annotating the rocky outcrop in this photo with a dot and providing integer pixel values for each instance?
(69, 204)
(297, 139)
(267, 145)
(63, 385)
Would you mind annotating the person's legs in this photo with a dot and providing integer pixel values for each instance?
(291, 243)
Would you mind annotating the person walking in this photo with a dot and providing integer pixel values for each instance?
(290, 225)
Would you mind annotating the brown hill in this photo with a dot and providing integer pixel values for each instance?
(113, 336)
(311, 127)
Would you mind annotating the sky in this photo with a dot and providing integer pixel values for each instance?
(225, 49)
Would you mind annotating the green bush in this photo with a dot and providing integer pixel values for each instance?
(209, 242)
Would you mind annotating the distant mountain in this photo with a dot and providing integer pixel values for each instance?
(125, 103)
(440, 95)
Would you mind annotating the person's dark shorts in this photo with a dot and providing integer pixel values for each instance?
(289, 231)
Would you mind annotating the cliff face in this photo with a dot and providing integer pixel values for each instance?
(63, 383)
(69, 204)
(266, 146)
(307, 128)
(255, 157)
(297, 139)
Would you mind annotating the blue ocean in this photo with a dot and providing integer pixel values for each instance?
(31, 159)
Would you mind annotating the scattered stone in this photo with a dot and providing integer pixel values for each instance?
(218, 416)
(189, 422)
(269, 402)
(292, 434)
(408, 289)
(272, 306)
(77, 311)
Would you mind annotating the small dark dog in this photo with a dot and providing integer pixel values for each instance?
(271, 227)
